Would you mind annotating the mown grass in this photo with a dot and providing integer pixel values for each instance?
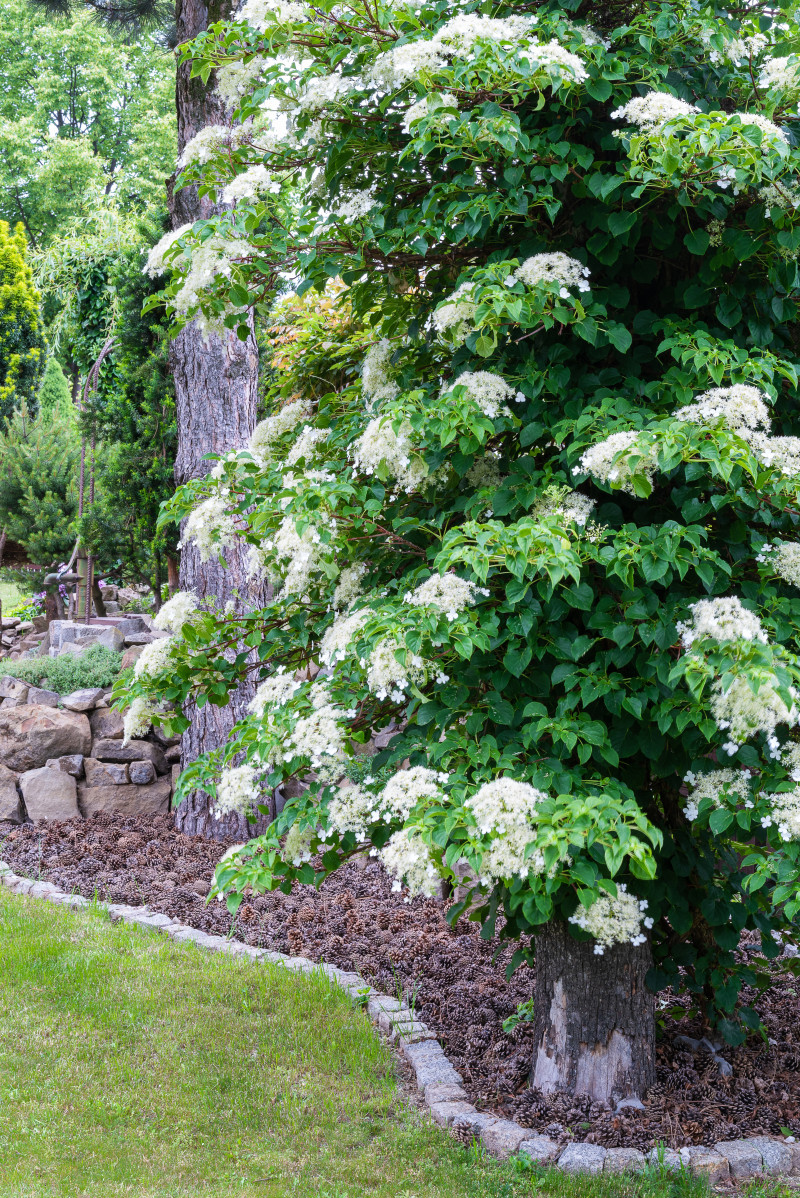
(132, 1065)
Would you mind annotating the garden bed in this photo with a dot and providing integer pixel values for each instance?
(456, 980)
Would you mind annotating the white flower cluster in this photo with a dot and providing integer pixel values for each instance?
(460, 34)
(448, 592)
(379, 446)
(557, 268)
(297, 843)
(778, 453)
(323, 91)
(264, 14)
(408, 859)
(299, 556)
(320, 735)
(396, 67)
(305, 446)
(351, 810)
(211, 526)
(176, 612)
(377, 384)
(612, 461)
(456, 315)
(274, 692)
(742, 713)
(506, 810)
(408, 787)
(790, 760)
(785, 813)
(736, 50)
(781, 197)
(138, 720)
(336, 642)
(388, 679)
(249, 185)
(485, 472)
(781, 73)
(154, 658)
(723, 619)
(236, 79)
(717, 785)
(569, 506)
(487, 390)
(348, 586)
(205, 145)
(209, 260)
(553, 58)
(264, 435)
(784, 558)
(769, 129)
(237, 791)
(652, 111)
(155, 259)
(352, 206)
(742, 408)
(613, 921)
(438, 108)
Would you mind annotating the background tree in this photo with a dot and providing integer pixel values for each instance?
(21, 341)
(55, 398)
(580, 249)
(39, 458)
(82, 114)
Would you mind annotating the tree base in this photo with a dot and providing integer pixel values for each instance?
(594, 1018)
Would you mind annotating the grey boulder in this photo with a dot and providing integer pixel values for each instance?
(39, 697)
(106, 724)
(82, 700)
(10, 808)
(142, 772)
(105, 773)
(135, 750)
(30, 735)
(71, 764)
(125, 800)
(49, 794)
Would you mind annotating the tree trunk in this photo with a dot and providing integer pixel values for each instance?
(215, 399)
(594, 1018)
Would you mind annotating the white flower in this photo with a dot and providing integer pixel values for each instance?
(236, 79)
(736, 50)
(155, 259)
(408, 787)
(489, 391)
(297, 844)
(211, 526)
(319, 736)
(614, 920)
(387, 678)
(305, 447)
(336, 642)
(177, 611)
(376, 382)
(568, 506)
(719, 786)
(350, 810)
(741, 407)
(265, 14)
(323, 91)
(460, 33)
(249, 184)
(348, 586)
(780, 73)
(456, 315)
(506, 810)
(273, 692)
(154, 658)
(785, 813)
(723, 619)
(741, 712)
(784, 558)
(205, 145)
(448, 592)
(779, 453)
(408, 859)
(556, 268)
(237, 791)
(381, 448)
(616, 460)
(485, 472)
(770, 130)
(652, 111)
(264, 435)
(396, 67)
(138, 720)
(352, 206)
(438, 107)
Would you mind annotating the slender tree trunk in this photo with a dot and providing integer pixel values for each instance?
(594, 1018)
(215, 397)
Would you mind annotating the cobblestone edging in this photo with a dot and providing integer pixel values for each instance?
(437, 1079)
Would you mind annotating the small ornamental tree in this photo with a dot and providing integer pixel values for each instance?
(55, 398)
(21, 340)
(549, 537)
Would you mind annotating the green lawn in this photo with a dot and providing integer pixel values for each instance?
(132, 1065)
(11, 594)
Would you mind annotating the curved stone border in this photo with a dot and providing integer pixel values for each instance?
(440, 1083)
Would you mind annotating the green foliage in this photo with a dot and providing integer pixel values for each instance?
(82, 114)
(25, 609)
(97, 666)
(21, 341)
(557, 285)
(39, 463)
(54, 393)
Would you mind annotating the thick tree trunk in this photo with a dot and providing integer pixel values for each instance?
(215, 397)
(594, 1018)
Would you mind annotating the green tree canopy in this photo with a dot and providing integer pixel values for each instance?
(82, 114)
(55, 396)
(39, 461)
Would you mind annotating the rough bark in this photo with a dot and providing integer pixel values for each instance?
(215, 398)
(594, 1018)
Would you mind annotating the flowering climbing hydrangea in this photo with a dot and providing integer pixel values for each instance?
(527, 489)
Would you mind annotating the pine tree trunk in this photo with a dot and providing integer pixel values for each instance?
(594, 1018)
(215, 399)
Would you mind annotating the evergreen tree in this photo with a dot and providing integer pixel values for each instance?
(21, 341)
(55, 398)
(39, 463)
